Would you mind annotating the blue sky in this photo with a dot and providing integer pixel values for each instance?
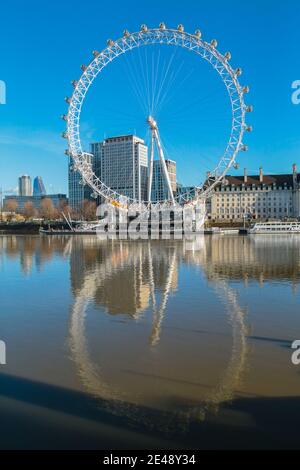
(42, 46)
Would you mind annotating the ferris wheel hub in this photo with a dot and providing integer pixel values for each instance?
(152, 123)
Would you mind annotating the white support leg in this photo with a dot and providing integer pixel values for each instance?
(154, 130)
(151, 168)
(164, 166)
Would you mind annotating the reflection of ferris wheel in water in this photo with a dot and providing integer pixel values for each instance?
(115, 398)
(172, 37)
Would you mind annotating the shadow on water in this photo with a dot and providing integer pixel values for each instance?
(272, 422)
(284, 343)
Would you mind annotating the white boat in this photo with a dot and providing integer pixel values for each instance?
(275, 227)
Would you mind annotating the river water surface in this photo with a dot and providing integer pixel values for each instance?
(149, 344)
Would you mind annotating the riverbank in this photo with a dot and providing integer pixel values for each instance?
(33, 228)
(28, 228)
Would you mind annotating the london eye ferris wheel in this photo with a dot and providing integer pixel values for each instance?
(206, 51)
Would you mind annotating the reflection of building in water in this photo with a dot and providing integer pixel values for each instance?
(125, 291)
(259, 258)
(231, 257)
(26, 261)
(32, 250)
(124, 274)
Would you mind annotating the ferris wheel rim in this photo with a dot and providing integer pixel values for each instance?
(129, 41)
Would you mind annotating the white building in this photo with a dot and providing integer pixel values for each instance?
(259, 197)
(123, 165)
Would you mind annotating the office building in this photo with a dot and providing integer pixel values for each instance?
(185, 193)
(78, 192)
(160, 190)
(25, 186)
(38, 187)
(258, 197)
(122, 164)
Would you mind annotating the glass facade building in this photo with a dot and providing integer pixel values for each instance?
(39, 187)
(160, 190)
(25, 186)
(78, 192)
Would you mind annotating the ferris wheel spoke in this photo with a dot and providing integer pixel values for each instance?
(164, 78)
(165, 100)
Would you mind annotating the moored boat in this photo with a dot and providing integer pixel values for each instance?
(275, 227)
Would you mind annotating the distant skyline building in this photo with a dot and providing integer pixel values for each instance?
(122, 164)
(39, 187)
(160, 190)
(25, 186)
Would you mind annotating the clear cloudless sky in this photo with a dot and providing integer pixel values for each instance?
(43, 44)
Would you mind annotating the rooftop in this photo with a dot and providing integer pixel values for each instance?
(278, 180)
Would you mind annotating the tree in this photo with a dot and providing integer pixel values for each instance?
(47, 210)
(89, 209)
(63, 206)
(10, 206)
(68, 210)
(29, 210)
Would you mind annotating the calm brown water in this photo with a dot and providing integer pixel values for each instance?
(162, 344)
